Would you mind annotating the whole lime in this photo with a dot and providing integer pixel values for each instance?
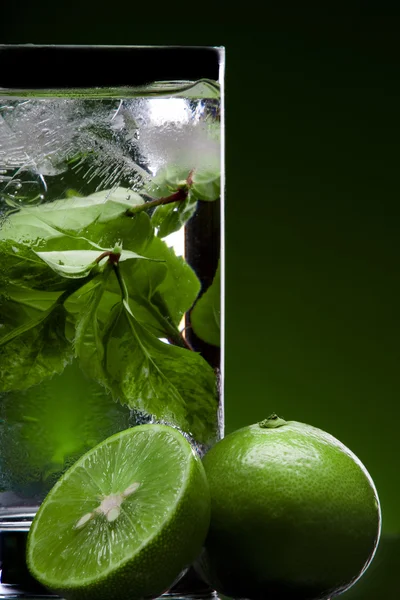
(294, 514)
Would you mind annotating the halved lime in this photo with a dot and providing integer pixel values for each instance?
(125, 520)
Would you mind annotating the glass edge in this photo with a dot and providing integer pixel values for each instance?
(221, 81)
(157, 89)
(219, 49)
(222, 63)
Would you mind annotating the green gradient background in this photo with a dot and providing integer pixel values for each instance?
(312, 231)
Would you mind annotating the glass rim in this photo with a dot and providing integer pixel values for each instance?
(66, 66)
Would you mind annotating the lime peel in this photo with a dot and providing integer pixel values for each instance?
(295, 514)
(272, 422)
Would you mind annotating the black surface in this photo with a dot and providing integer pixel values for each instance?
(13, 565)
(31, 66)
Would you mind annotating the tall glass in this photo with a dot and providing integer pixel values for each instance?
(110, 196)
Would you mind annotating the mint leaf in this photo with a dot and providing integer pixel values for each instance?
(88, 341)
(206, 184)
(71, 264)
(21, 266)
(206, 314)
(34, 351)
(166, 181)
(173, 384)
(76, 264)
(179, 289)
(23, 307)
(35, 225)
(135, 232)
(31, 299)
(13, 314)
(172, 217)
(143, 280)
(160, 292)
(201, 184)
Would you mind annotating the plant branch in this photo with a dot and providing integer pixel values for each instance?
(179, 196)
(113, 257)
(121, 282)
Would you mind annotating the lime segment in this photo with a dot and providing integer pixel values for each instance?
(132, 511)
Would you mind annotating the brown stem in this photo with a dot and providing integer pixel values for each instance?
(113, 257)
(178, 196)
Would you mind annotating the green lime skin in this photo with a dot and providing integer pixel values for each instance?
(294, 514)
(148, 543)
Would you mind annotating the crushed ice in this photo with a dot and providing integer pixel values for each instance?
(107, 142)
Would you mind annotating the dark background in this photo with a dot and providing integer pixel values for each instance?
(312, 222)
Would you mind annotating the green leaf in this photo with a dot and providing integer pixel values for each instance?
(179, 289)
(206, 314)
(71, 264)
(34, 351)
(21, 266)
(35, 225)
(13, 314)
(173, 384)
(172, 217)
(142, 280)
(167, 181)
(21, 308)
(160, 292)
(32, 299)
(135, 232)
(87, 341)
(206, 184)
(76, 264)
